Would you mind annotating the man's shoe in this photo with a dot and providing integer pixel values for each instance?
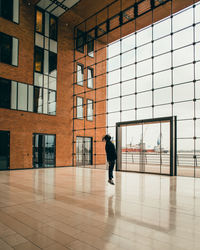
(111, 182)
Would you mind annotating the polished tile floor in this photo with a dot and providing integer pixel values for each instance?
(75, 208)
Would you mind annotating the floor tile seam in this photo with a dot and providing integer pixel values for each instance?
(27, 240)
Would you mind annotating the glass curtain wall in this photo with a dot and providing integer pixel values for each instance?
(142, 72)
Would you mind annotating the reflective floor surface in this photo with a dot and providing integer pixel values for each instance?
(76, 208)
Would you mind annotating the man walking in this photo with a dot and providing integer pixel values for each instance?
(111, 157)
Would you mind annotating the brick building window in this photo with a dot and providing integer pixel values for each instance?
(80, 41)
(53, 28)
(90, 110)
(5, 91)
(8, 49)
(90, 46)
(79, 107)
(80, 74)
(90, 76)
(39, 26)
(9, 9)
(39, 59)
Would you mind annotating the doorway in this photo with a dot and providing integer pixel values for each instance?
(147, 146)
(83, 151)
(4, 150)
(44, 150)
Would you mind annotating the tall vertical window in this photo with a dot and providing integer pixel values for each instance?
(39, 57)
(8, 49)
(80, 74)
(90, 110)
(53, 28)
(9, 9)
(79, 105)
(52, 63)
(39, 21)
(90, 46)
(80, 41)
(5, 95)
(90, 78)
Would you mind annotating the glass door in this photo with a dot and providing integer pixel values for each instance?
(4, 150)
(43, 150)
(147, 147)
(83, 151)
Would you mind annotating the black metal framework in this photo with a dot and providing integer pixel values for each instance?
(171, 168)
(4, 150)
(45, 64)
(150, 73)
(44, 150)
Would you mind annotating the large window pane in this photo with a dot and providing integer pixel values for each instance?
(162, 45)
(128, 73)
(113, 105)
(183, 56)
(128, 102)
(144, 83)
(183, 110)
(162, 79)
(113, 49)
(162, 62)
(162, 28)
(144, 68)
(183, 92)
(113, 77)
(162, 96)
(183, 38)
(144, 99)
(128, 43)
(22, 96)
(183, 74)
(14, 51)
(113, 63)
(128, 87)
(144, 36)
(144, 52)
(128, 58)
(182, 19)
(185, 129)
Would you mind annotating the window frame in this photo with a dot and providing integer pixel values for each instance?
(88, 116)
(92, 73)
(11, 51)
(42, 65)
(12, 6)
(43, 20)
(78, 106)
(82, 69)
(56, 19)
(82, 35)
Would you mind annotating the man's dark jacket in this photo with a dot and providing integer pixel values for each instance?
(110, 151)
